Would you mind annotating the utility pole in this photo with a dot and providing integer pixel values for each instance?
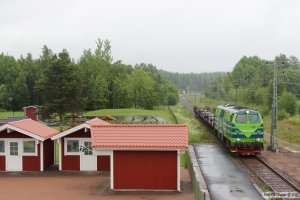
(273, 139)
(235, 96)
(219, 88)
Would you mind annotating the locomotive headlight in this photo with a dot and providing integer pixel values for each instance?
(258, 139)
(235, 130)
(259, 131)
(238, 139)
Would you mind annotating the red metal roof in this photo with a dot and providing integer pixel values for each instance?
(35, 128)
(140, 136)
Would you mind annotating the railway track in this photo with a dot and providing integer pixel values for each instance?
(261, 173)
(186, 103)
(270, 176)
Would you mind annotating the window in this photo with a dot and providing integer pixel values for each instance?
(241, 118)
(2, 146)
(72, 146)
(254, 118)
(29, 146)
(88, 148)
(13, 148)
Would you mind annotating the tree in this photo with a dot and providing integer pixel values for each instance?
(4, 98)
(142, 86)
(171, 96)
(100, 92)
(121, 93)
(20, 93)
(61, 88)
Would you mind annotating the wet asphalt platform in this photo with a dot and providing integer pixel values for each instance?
(223, 178)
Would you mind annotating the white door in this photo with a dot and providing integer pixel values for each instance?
(88, 159)
(13, 156)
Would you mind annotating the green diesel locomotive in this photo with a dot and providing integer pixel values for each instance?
(240, 129)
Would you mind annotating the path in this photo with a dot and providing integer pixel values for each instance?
(223, 178)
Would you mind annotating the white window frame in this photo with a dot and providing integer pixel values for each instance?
(35, 146)
(66, 153)
(3, 153)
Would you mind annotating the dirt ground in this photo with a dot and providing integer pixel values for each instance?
(289, 163)
(78, 186)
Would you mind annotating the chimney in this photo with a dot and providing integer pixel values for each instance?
(31, 112)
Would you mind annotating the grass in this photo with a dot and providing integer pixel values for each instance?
(182, 160)
(197, 132)
(57, 153)
(199, 100)
(161, 111)
(5, 114)
(288, 129)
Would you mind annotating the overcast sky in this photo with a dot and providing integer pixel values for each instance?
(179, 36)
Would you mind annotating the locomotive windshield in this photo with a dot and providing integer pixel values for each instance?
(254, 118)
(241, 118)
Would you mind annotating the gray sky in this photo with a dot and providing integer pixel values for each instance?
(183, 36)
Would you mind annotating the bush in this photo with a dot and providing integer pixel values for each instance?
(282, 114)
(288, 102)
(265, 111)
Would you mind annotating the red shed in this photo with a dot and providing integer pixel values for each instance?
(76, 152)
(25, 145)
(143, 157)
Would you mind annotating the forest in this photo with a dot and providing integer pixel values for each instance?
(191, 81)
(251, 84)
(62, 85)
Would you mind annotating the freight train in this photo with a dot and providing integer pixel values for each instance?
(240, 129)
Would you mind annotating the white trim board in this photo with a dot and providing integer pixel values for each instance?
(178, 170)
(42, 156)
(60, 156)
(112, 170)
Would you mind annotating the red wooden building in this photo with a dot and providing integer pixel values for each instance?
(79, 138)
(142, 157)
(25, 145)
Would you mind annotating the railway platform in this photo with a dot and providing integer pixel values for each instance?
(223, 178)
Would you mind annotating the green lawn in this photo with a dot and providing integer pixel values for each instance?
(162, 112)
(197, 132)
(56, 153)
(5, 114)
(288, 129)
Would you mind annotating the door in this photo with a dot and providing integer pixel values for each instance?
(14, 157)
(88, 159)
(150, 170)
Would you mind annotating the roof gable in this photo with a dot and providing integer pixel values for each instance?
(87, 124)
(31, 128)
